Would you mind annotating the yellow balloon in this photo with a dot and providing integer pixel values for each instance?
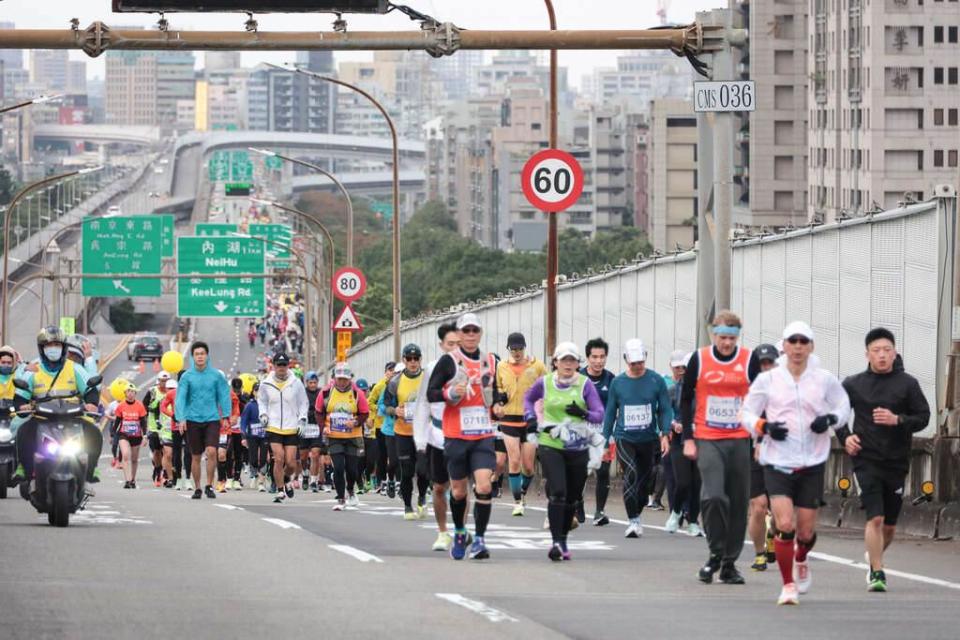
(248, 381)
(172, 362)
(118, 388)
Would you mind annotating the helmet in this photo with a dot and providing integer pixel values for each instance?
(74, 344)
(47, 336)
(362, 384)
(131, 387)
(412, 351)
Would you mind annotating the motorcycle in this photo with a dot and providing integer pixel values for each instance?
(8, 455)
(60, 461)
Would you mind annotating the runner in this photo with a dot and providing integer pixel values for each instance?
(465, 380)
(180, 450)
(342, 408)
(597, 350)
(382, 462)
(311, 440)
(368, 463)
(389, 436)
(166, 422)
(761, 535)
(282, 402)
(151, 401)
(571, 409)
(638, 416)
(233, 465)
(514, 378)
(255, 440)
(685, 496)
(131, 424)
(801, 403)
(428, 434)
(203, 408)
(400, 402)
(717, 379)
(889, 407)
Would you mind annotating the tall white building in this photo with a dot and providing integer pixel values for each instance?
(639, 78)
(671, 154)
(48, 68)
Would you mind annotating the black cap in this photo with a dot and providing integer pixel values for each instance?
(412, 351)
(767, 352)
(390, 366)
(516, 341)
(281, 360)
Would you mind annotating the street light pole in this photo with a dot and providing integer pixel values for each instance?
(324, 172)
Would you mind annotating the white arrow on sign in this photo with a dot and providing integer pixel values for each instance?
(118, 285)
(221, 306)
(347, 321)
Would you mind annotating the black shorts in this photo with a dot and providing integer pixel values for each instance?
(153, 439)
(311, 443)
(437, 464)
(758, 486)
(345, 446)
(499, 446)
(514, 432)
(135, 441)
(803, 486)
(881, 491)
(291, 440)
(406, 448)
(203, 435)
(466, 456)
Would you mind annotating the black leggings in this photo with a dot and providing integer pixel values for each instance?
(344, 473)
(407, 457)
(603, 485)
(636, 461)
(686, 493)
(257, 450)
(371, 448)
(392, 457)
(27, 446)
(565, 473)
(235, 455)
(381, 456)
(181, 456)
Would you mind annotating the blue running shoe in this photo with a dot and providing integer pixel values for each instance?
(478, 551)
(459, 548)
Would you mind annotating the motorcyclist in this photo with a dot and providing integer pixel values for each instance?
(55, 372)
(8, 368)
(80, 351)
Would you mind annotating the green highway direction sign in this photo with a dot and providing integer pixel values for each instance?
(385, 209)
(167, 224)
(220, 297)
(279, 238)
(123, 245)
(216, 229)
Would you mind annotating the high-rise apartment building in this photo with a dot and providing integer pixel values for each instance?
(76, 77)
(885, 76)
(145, 87)
(10, 58)
(639, 78)
(671, 158)
(282, 100)
(48, 68)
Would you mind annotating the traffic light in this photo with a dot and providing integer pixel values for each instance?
(252, 6)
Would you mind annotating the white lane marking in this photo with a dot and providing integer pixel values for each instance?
(283, 524)
(229, 507)
(485, 610)
(362, 556)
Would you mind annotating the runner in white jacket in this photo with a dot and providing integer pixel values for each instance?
(795, 405)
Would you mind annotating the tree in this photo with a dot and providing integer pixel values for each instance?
(8, 187)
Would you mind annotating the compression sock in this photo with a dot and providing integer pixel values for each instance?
(784, 546)
(221, 470)
(516, 486)
(481, 516)
(804, 547)
(458, 509)
(527, 481)
(495, 486)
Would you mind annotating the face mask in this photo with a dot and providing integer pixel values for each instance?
(6, 369)
(53, 354)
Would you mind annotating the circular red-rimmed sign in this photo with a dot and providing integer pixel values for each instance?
(552, 180)
(349, 284)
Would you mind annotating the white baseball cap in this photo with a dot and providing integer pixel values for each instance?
(342, 370)
(565, 350)
(634, 351)
(163, 375)
(798, 328)
(678, 358)
(468, 320)
(171, 384)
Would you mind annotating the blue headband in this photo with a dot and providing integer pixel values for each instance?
(724, 330)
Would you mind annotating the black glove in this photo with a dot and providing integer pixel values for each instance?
(822, 423)
(573, 409)
(532, 425)
(776, 430)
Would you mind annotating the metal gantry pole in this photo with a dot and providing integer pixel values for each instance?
(553, 249)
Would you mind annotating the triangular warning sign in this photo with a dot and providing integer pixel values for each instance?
(347, 321)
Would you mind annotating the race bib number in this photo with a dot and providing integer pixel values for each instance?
(257, 430)
(340, 422)
(130, 428)
(409, 410)
(310, 431)
(637, 417)
(475, 421)
(723, 413)
(223, 438)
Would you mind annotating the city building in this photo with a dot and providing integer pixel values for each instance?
(638, 78)
(9, 58)
(885, 76)
(48, 68)
(76, 77)
(671, 159)
(283, 100)
(221, 61)
(145, 87)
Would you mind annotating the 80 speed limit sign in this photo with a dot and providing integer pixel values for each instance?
(552, 180)
(349, 284)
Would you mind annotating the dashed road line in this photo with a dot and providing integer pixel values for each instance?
(353, 552)
(481, 608)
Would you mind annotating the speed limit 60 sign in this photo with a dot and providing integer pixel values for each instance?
(552, 180)
(349, 284)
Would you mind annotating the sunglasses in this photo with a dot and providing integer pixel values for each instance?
(798, 340)
(470, 330)
(412, 358)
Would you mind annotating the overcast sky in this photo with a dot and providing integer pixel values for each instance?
(483, 14)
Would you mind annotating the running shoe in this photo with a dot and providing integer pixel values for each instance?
(181, 484)
(253, 482)
(600, 519)
(693, 529)
(634, 530)
(459, 548)
(288, 489)
(327, 488)
(673, 523)
(305, 482)
(574, 523)
(443, 541)
(710, 568)
(314, 488)
(197, 494)
(168, 484)
(518, 508)
(261, 487)
(759, 562)
(95, 478)
(555, 553)
(801, 576)
(296, 482)
(209, 492)
(278, 499)
(339, 505)
(478, 551)
(566, 552)
(391, 489)
(221, 486)
(730, 575)
(157, 482)
(133, 484)
(878, 582)
(409, 513)
(789, 595)
(421, 511)
(128, 485)
(353, 501)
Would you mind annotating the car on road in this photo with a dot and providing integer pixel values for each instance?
(148, 348)
(136, 340)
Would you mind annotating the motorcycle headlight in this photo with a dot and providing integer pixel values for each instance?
(51, 446)
(5, 435)
(70, 448)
